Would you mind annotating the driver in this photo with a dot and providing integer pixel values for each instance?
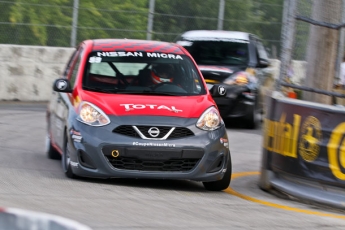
(161, 73)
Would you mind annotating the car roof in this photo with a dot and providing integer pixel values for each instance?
(135, 45)
(209, 35)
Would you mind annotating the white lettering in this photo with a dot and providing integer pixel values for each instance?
(164, 107)
(151, 54)
(129, 107)
(152, 106)
(154, 144)
(138, 54)
(101, 54)
(112, 54)
(175, 110)
(139, 106)
(178, 57)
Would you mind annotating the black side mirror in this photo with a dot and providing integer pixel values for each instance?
(218, 91)
(62, 85)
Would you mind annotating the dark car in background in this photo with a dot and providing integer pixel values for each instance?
(238, 61)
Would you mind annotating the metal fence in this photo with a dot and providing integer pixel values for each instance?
(313, 38)
(66, 23)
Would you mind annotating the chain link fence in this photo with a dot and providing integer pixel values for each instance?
(312, 48)
(67, 22)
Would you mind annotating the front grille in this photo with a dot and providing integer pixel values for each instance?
(153, 159)
(172, 165)
(128, 130)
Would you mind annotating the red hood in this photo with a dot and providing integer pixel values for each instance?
(145, 105)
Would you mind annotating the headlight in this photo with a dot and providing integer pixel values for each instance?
(210, 120)
(239, 78)
(92, 115)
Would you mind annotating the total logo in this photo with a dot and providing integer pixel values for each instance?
(130, 107)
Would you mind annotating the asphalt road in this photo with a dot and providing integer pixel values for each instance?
(30, 181)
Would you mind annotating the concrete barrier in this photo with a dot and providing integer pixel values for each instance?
(18, 219)
(27, 72)
(302, 148)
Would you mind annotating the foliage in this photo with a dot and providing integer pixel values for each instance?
(49, 22)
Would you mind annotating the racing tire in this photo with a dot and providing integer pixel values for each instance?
(223, 183)
(51, 152)
(252, 120)
(66, 161)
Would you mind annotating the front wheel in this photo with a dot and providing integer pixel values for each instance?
(66, 160)
(223, 183)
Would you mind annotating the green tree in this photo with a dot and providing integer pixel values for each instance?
(41, 23)
(50, 23)
(174, 17)
(112, 19)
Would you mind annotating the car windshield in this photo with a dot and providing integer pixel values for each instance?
(218, 52)
(142, 73)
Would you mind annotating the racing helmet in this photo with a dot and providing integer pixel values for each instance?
(162, 73)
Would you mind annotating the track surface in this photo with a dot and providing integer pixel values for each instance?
(30, 181)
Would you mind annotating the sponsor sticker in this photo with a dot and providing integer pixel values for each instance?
(99, 56)
(149, 144)
(129, 107)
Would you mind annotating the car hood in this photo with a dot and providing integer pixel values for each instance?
(217, 74)
(148, 105)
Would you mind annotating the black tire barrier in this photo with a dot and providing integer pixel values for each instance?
(303, 151)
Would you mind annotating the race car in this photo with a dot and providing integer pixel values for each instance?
(137, 109)
(239, 62)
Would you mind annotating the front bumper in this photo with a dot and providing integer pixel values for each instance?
(104, 152)
(234, 106)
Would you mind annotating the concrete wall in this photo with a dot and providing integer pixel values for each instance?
(27, 72)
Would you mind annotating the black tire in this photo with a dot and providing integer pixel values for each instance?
(252, 120)
(223, 183)
(66, 161)
(51, 152)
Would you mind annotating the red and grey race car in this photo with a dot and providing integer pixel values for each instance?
(137, 109)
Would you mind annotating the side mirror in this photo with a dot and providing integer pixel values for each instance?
(218, 91)
(62, 85)
(263, 63)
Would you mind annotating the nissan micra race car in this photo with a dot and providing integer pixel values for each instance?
(137, 109)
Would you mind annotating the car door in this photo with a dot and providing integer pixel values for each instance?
(61, 101)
